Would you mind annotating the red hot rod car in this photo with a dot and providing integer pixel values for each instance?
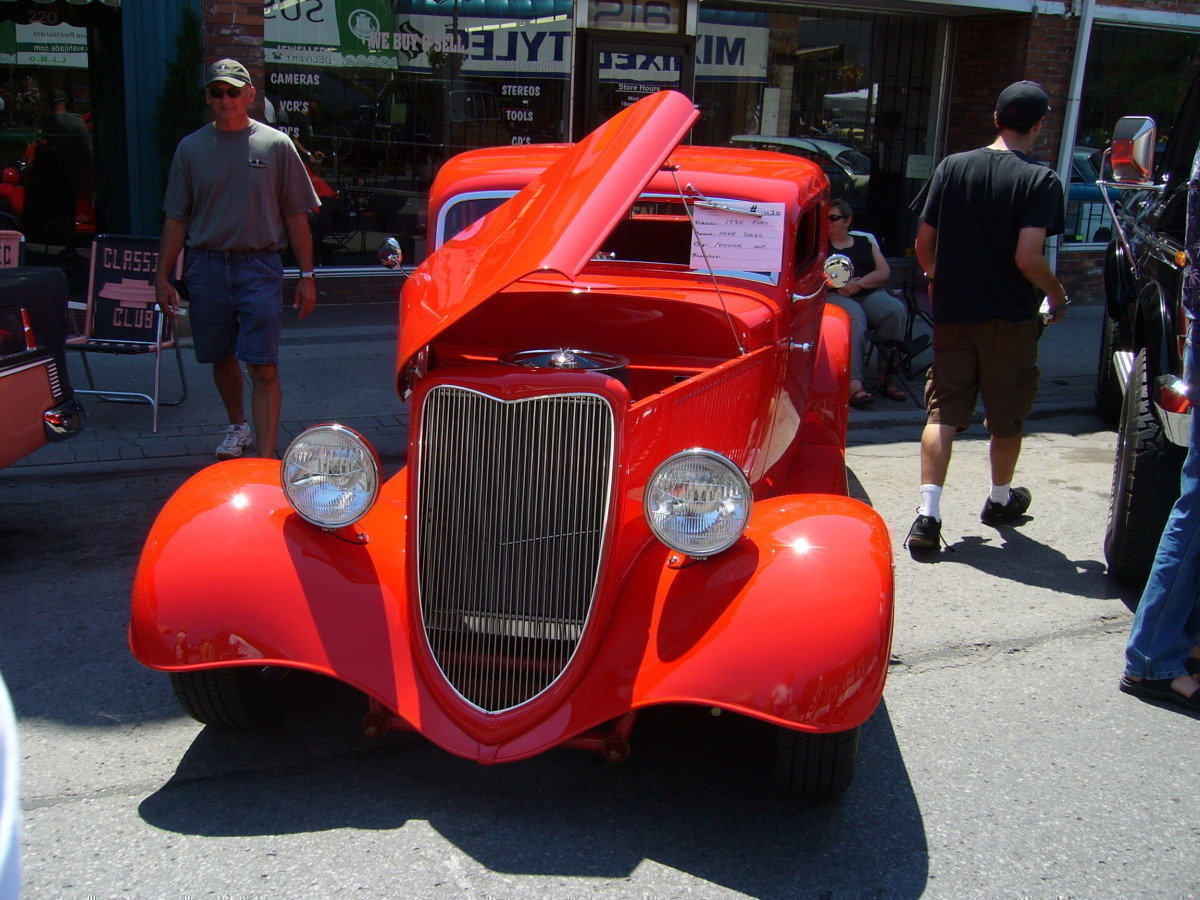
(625, 483)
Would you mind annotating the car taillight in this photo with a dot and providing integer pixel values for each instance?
(1172, 396)
(27, 325)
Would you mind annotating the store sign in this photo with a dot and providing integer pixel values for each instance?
(329, 33)
(365, 34)
(57, 46)
(636, 16)
(479, 46)
(723, 53)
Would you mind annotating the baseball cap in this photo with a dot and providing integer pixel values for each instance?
(1021, 104)
(228, 70)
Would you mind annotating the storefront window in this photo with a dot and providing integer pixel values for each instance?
(383, 96)
(1130, 71)
(47, 189)
(851, 92)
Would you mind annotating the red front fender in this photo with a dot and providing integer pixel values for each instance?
(231, 574)
(792, 625)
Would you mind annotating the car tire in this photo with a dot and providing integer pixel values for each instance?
(1145, 483)
(240, 698)
(1108, 387)
(815, 766)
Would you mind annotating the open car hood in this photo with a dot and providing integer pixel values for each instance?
(556, 222)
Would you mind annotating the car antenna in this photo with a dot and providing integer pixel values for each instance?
(703, 202)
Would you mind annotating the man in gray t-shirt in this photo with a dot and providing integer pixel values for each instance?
(237, 194)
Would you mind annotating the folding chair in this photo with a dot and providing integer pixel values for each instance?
(122, 317)
(907, 357)
(12, 249)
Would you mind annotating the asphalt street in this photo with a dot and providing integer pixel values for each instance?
(1002, 762)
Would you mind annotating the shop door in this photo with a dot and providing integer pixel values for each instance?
(616, 71)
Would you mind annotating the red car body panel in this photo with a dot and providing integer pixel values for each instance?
(25, 395)
(556, 222)
(37, 403)
(696, 634)
(791, 624)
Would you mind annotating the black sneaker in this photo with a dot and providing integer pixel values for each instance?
(925, 536)
(1007, 513)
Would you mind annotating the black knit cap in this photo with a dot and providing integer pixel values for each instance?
(1020, 105)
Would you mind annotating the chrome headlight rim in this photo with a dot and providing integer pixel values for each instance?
(739, 479)
(370, 458)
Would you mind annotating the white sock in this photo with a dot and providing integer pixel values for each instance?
(1001, 493)
(931, 499)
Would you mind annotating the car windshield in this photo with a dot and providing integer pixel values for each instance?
(854, 162)
(730, 237)
(1086, 165)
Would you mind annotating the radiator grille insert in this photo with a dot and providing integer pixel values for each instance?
(512, 502)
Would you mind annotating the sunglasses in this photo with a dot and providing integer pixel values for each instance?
(834, 217)
(231, 92)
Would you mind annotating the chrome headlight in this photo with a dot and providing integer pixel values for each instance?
(330, 475)
(697, 502)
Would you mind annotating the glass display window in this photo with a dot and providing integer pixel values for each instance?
(378, 94)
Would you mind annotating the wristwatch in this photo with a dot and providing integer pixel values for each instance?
(309, 274)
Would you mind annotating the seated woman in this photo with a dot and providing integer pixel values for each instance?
(864, 299)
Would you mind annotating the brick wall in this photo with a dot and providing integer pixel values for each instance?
(1171, 6)
(989, 55)
(235, 30)
(992, 52)
(1082, 274)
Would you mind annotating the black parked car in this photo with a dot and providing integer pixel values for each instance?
(1140, 381)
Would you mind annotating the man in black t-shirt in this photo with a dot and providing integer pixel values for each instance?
(986, 216)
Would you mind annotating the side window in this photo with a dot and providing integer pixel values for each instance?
(808, 247)
(1174, 216)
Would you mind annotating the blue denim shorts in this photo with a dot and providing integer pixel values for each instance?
(235, 304)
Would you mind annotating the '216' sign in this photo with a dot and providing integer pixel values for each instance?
(656, 16)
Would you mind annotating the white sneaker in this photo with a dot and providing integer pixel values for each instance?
(235, 443)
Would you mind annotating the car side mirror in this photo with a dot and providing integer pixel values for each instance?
(838, 270)
(390, 254)
(1132, 153)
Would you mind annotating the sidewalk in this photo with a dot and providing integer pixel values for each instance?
(337, 365)
(1066, 357)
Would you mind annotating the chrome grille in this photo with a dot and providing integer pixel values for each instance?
(512, 502)
(56, 389)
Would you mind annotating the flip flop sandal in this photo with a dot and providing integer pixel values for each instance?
(893, 393)
(862, 398)
(1160, 689)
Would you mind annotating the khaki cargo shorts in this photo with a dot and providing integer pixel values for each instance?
(994, 360)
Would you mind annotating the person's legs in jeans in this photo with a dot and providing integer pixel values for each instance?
(258, 287)
(888, 317)
(214, 322)
(1167, 624)
(858, 328)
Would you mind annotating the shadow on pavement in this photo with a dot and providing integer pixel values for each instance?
(695, 796)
